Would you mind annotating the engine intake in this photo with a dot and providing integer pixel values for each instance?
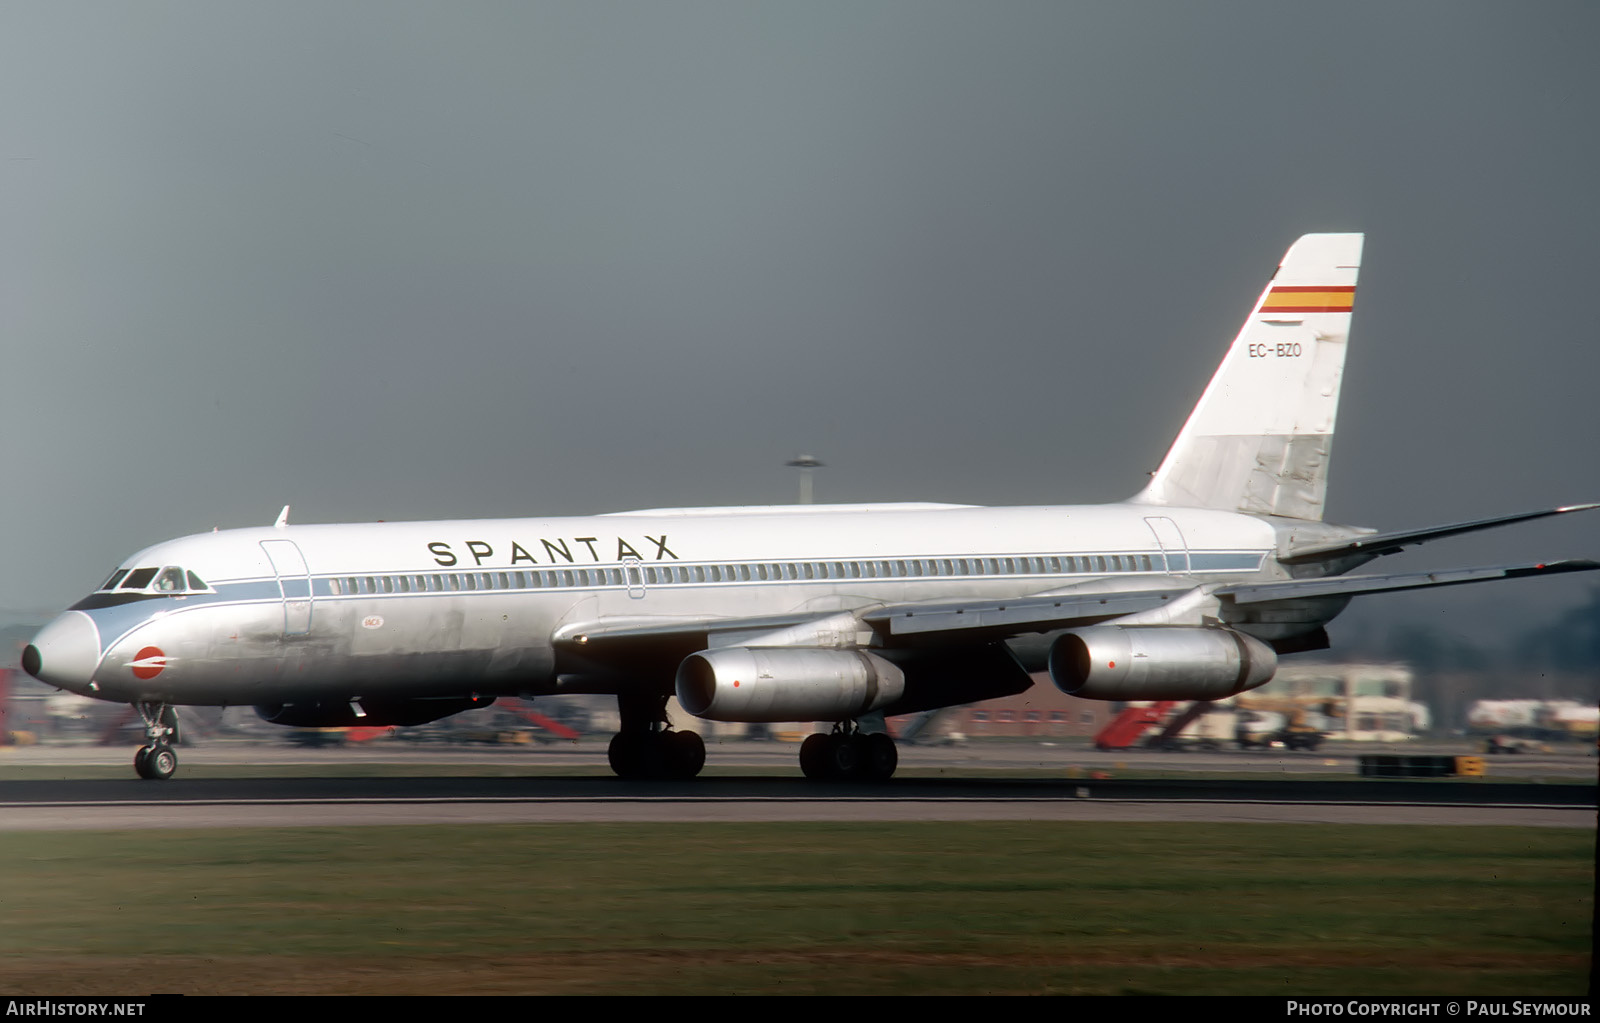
(786, 684)
(1165, 662)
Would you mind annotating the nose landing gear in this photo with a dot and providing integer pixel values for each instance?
(156, 761)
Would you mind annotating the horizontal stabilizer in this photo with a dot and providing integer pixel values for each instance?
(1355, 585)
(1391, 543)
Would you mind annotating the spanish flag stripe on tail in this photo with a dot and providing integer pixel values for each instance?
(1310, 299)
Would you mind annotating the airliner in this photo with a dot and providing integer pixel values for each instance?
(840, 614)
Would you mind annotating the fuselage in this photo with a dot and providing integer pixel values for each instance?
(417, 609)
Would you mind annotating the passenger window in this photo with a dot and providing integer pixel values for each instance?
(405, 584)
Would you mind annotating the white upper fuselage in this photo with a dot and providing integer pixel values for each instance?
(403, 609)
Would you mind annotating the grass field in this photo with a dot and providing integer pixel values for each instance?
(1274, 909)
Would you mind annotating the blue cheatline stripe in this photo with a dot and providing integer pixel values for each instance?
(501, 580)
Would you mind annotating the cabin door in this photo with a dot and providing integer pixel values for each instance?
(1170, 538)
(294, 583)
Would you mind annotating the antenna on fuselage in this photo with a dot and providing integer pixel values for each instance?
(805, 463)
(283, 518)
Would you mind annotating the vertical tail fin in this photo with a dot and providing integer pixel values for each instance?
(1260, 437)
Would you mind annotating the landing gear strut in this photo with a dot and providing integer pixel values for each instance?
(848, 754)
(647, 747)
(155, 760)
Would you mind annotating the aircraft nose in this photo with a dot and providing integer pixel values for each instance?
(65, 652)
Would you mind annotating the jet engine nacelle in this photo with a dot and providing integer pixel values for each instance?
(339, 714)
(786, 684)
(1164, 662)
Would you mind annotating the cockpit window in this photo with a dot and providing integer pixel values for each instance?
(143, 584)
(139, 578)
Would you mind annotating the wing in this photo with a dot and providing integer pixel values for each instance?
(983, 619)
(977, 620)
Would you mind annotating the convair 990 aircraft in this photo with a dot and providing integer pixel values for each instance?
(1188, 591)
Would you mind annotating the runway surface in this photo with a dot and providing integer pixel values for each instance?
(973, 786)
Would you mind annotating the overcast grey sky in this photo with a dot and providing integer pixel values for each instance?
(401, 261)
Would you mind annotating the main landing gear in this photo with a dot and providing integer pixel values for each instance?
(847, 754)
(648, 748)
(155, 760)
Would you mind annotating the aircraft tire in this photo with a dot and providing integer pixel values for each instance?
(880, 757)
(156, 763)
(685, 755)
(843, 756)
(813, 757)
(627, 755)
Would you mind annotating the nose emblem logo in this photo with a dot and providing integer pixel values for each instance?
(148, 663)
